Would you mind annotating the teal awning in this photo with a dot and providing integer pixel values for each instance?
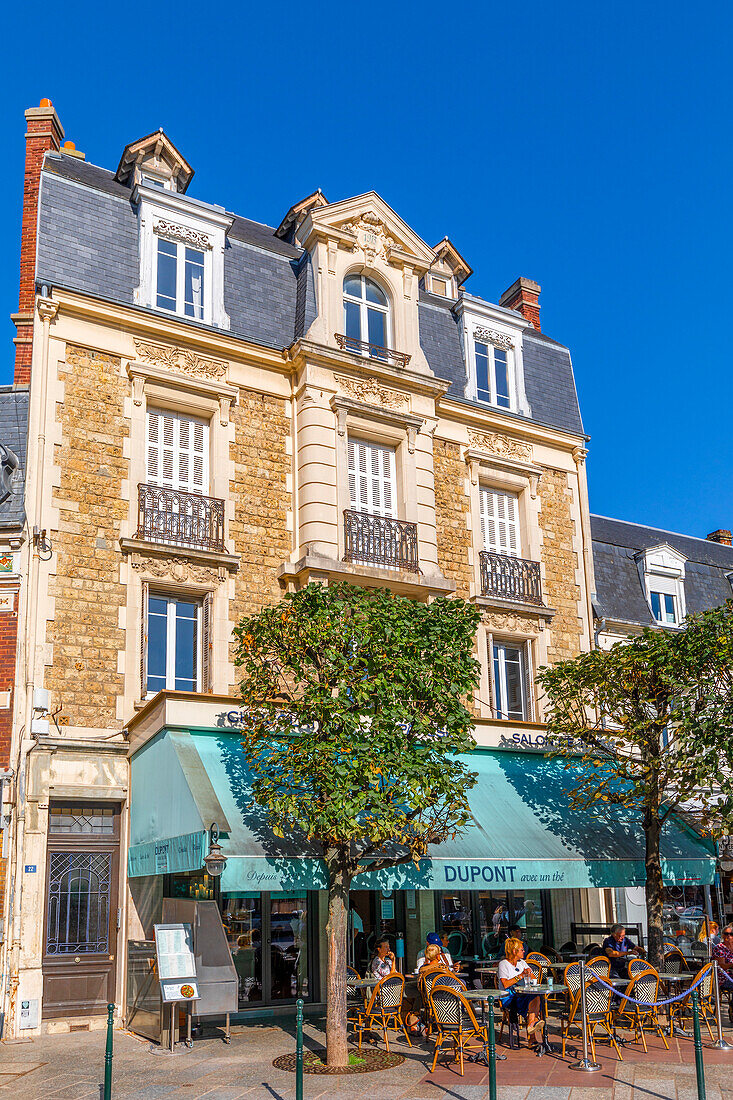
(524, 835)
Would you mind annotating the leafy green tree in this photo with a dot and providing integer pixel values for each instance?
(356, 714)
(648, 724)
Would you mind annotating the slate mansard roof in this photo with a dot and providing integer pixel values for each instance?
(88, 242)
(14, 435)
(619, 588)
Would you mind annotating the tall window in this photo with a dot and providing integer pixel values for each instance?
(173, 650)
(371, 477)
(180, 279)
(492, 375)
(366, 313)
(177, 451)
(500, 521)
(511, 680)
(664, 608)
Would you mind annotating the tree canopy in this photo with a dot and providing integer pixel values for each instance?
(355, 703)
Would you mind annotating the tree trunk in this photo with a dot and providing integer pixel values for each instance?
(339, 881)
(654, 890)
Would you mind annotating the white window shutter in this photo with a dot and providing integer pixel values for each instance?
(500, 521)
(177, 451)
(372, 477)
(528, 683)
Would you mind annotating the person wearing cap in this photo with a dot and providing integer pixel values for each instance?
(444, 959)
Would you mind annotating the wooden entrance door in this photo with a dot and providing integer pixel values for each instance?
(80, 935)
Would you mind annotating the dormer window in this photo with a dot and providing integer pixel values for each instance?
(149, 180)
(492, 374)
(180, 279)
(662, 570)
(366, 314)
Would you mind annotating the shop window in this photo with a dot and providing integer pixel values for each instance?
(280, 922)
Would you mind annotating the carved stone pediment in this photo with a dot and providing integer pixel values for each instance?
(492, 336)
(182, 360)
(499, 622)
(175, 569)
(502, 445)
(372, 392)
(366, 224)
(371, 236)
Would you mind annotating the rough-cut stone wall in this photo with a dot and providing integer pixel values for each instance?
(85, 631)
(261, 501)
(451, 511)
(561, 589)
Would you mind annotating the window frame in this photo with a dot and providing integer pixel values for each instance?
(492, 398)
(365, 306)
(664, 597)
(172, 600)
(181, 248)
(498, 687)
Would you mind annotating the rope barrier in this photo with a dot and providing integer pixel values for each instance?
(650, 1004)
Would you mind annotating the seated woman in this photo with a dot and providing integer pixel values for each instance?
(432, 962)
(513, 969)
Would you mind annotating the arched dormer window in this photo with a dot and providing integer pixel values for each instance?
(366, 315)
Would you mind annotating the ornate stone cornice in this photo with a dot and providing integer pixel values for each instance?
(491, 336)
(502, 445)
(176, 569)
(372, 392)
(498, 622)
(181, 359)
(172, 231)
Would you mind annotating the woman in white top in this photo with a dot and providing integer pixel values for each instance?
(511, 970)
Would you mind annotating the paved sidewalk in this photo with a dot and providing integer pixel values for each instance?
(71, 1067)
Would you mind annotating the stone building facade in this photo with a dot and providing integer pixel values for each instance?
(221, 412)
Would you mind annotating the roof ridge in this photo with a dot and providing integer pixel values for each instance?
(649, 527)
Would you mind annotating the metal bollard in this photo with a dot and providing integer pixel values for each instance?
(492, 1052)
(584, 1062)
(699, 1068)
(720, 1043)
(299, 1049)
(108, 1053)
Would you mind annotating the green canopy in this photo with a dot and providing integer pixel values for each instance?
(523, 836)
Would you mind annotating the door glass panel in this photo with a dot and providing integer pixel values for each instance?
(527, 918)
(242, 918)
(493, 921)
(289, 945)
(456, 922)
(78, 903)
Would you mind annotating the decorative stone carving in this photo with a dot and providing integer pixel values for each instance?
(372, 392)
(181, 359)
(502, 445)
(491, 336)
(176, 569)
(371, 236)
(174, 232)
(499, 622)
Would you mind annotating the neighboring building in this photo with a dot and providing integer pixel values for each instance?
(222, 411)
(13, 433)
(646, 577)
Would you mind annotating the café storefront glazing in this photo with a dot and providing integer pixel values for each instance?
(526, 860)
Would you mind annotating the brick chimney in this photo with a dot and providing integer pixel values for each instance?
(524, 297)
(721, 536)
(44, 132)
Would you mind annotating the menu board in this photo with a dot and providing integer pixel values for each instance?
(179, 991)
(174, 948)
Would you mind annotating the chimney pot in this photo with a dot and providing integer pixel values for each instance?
(45, 103)
(523, 295)
(722, 536)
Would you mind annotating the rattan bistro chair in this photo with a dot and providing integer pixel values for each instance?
(539, 964)
(598, 1014)
(455, 1023)
(384, 1010)
(426, 982)
(600, 965)
(638, 966)
(644, 986)
(354, 996)
(706, 1005)
(675, 962)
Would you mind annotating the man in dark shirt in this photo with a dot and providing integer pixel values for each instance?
(618, 947)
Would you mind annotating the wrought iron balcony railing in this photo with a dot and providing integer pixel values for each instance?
(510, 578)
(372, 351)
(381, 541)
(180, 519)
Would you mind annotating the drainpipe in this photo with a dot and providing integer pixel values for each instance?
(579, 454)
(47, 310)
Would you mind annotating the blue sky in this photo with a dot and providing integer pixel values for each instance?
(587, 149)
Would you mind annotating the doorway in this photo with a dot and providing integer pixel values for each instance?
(81, 915)
(271, 939)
